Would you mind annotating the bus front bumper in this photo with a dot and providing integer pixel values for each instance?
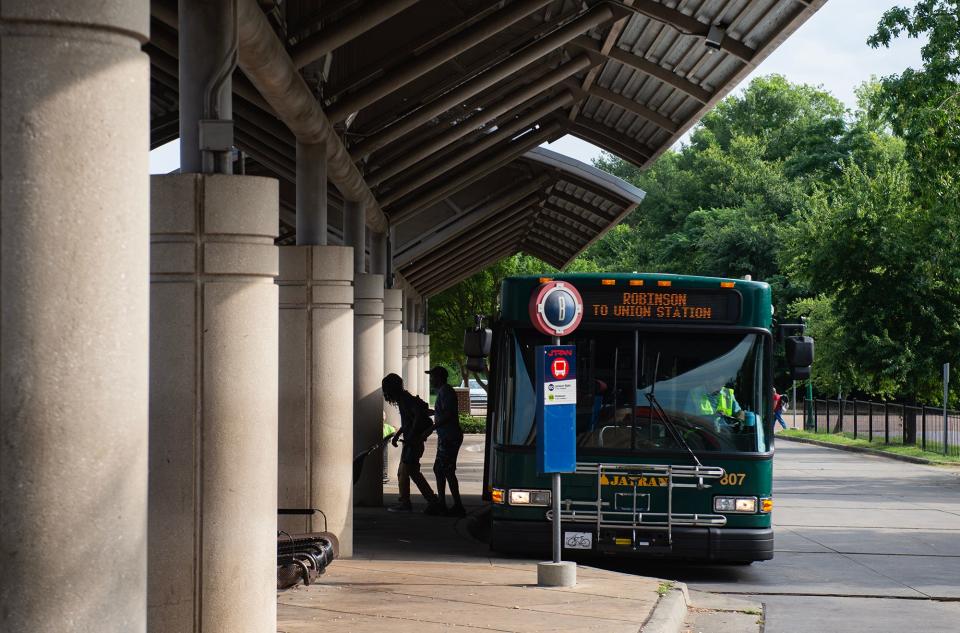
(693, 543)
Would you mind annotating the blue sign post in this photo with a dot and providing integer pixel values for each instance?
(556, 409)
(556, 310)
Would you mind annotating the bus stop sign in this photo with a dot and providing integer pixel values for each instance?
(556, 408)
(556, 308)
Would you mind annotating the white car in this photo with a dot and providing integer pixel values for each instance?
(478, 395)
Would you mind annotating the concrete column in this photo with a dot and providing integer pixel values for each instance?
(213, 404)
(74, 315)
(393, 360)
(316, 389)
(409, 349)
(423, 385)
(311, 194)
(426, 361)
(368, 373)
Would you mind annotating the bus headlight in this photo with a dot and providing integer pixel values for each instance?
(530, 497)
(736, 505)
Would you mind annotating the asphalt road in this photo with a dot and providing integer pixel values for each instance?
(862, 544)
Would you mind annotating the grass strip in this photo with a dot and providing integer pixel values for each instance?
(845, 439)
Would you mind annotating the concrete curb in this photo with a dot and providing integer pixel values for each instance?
(860, 449)
(669, 613)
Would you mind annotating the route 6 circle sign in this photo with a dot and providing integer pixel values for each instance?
(556, 308)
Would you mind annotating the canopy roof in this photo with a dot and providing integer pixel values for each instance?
(434, 103)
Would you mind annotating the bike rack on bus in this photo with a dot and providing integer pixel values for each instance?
(599, 513)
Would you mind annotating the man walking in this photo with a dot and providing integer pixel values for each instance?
(414, 428)
(449, 439)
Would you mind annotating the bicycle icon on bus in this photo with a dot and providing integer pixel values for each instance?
(578, 540)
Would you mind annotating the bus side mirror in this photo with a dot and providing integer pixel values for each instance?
(476, 342)
(476, 347)
(799, 351)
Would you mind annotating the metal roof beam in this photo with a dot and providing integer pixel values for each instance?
(497, 159)
(572, 216)
(485, 116)
(532, 52)
(436, 169)
(609, 41)
(314, 47)
(580, 202)
(639, 109)
(556, 237)
(689, 25)
(457, 226)
(424, 63)
(532, 249)
(648, 67)
(512, 222)
(604, 139)
(462, 266)
(543, 243)
(471, 269)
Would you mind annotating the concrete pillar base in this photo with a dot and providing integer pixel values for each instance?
(316, 389)
(562, 574)
(213, 404)
(368, 374)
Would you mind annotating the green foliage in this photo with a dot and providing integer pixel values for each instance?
(472, 424)
(853, 217)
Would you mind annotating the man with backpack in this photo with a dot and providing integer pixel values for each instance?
(415, 427)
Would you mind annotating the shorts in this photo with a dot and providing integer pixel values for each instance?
(411, 453)
(447, 451)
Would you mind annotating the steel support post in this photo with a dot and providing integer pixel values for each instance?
(886, 424)
(74, 275)
(311, 194)
(208, 54)
(378, 253)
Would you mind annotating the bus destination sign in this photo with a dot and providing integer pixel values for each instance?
(662, 305)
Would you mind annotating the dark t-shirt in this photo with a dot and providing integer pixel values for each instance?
(446, 415)
(414, 418)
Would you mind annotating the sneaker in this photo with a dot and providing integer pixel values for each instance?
(435, 509)
(457, 511)
(401, 507)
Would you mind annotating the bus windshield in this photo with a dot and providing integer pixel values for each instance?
(713, 387)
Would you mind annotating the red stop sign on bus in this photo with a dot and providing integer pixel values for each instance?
(559, 368)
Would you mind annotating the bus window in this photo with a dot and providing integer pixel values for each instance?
(713, 387)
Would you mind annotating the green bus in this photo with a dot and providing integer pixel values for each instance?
(674, 420)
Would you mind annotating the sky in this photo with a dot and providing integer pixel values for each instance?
(829, 50)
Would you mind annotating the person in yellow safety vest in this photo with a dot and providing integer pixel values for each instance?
(720, 403)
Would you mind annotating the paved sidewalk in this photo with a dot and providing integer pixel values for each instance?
(471, 595)
(421, 574)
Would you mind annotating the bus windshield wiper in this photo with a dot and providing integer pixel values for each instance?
(662, 414)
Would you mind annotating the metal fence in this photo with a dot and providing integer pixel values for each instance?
(884, 422)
